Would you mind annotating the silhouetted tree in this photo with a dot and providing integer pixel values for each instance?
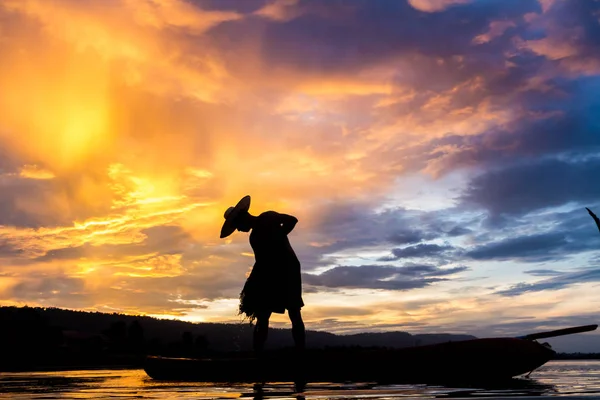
(55, 336)
(135, 337)
(187, 340)
(117, 334)
(156, 346)
(201, 345)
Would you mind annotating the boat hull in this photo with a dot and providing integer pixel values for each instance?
(492, 359)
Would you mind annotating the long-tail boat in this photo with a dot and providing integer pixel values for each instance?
(474, 360)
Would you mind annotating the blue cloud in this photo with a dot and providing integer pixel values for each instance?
(381, 276)
(558, 282)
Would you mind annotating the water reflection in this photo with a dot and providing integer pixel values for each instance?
(560, 378)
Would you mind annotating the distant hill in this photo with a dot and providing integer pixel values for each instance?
(50, 336)
(220, 336)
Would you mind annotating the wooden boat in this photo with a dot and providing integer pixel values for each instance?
(476, 360)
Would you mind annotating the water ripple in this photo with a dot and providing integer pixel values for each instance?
(565, 379)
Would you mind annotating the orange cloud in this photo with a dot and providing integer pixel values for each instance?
(434, 5)
(280, 10)
(125, 116)
(497, 28)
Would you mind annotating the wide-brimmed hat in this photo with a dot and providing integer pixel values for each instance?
(231, 214)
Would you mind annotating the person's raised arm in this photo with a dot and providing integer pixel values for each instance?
(287, 222)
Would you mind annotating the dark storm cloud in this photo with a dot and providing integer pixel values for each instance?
(558, 114)
(563, 120)
(546, 237)
(408, 236)
(553, 245)
(543, 272)
(576, 23)
(578, 220)
(448, 271)
(420, 250)
(369, 31)
(558, 282)
(521, 188)
(459, 231)
(531, 238)
(246, 6)
(381, 277)
(358, 222)
(442, 253)
(534, 248)
(352, 225)
(430, 52)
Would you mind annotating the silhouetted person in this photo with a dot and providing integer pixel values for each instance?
(274, 285)
(595, 217)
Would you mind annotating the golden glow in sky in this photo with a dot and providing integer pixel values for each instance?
(128, 127)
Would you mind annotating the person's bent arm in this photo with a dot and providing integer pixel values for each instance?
(287, 222)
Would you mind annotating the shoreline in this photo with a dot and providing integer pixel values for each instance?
(70, 368)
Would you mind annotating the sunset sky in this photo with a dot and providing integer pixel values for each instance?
(439, 155)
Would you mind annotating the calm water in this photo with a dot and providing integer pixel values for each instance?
(565, 379)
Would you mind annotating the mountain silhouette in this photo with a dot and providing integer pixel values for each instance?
(46, 338)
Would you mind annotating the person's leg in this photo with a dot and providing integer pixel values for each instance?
(299, 336)
(298, 331)
(261, 331)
